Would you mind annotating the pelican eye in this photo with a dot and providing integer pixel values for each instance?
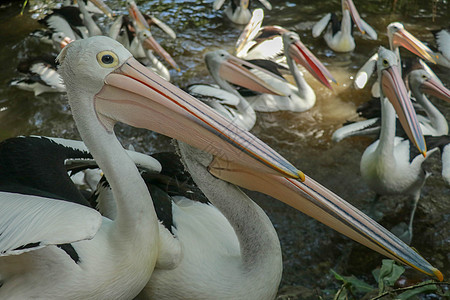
(107, 59)
(385, 63)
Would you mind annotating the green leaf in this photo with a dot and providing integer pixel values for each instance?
(354, 283)
(337, 276)
(389, 273)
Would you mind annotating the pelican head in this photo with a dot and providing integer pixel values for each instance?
(60, 40)
(224, 66)
(295, 49)
(428, 84)
(393, 87)
(122, 90)
(399, 36)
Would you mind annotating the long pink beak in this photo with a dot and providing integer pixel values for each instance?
(405, 39)
(435, 88)
(394, 89)
(140, 98)
(301, 54)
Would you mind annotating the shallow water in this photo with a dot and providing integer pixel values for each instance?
(310, 249)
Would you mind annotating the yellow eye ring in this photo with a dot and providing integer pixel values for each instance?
(107, 59)
(385, 63)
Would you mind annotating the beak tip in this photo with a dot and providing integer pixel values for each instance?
(302, 177)
(438, 274)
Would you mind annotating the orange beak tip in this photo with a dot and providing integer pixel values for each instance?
(301, 176)
(438, 274)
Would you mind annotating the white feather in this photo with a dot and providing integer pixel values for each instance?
(443, 42)
(365, 72)
(320, 26)
(59, 24)
(31, 219)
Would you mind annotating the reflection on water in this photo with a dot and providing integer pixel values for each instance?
(310, 249)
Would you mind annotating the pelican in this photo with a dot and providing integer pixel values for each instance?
(442, 37)
(238, 11)
(385, 165)
(60, 249)
(339, 35)
(225, 68)
(299, 97)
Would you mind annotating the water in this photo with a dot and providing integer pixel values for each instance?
(310, 249)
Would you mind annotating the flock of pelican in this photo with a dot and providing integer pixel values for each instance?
(178, 226)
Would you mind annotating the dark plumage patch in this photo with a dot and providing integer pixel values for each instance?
(173, 180)
(269, 65)
(128, 28)
(432, 142)
(28, 246)
(68, 248)
(71, 14)
(335, 23)
(268, 32)
(204, 98)
(370, 109)
(35, 166)
(46, 59)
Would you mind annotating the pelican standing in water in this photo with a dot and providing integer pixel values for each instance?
(339, 34)
(386, 165)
